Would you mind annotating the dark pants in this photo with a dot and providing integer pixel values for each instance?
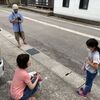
(28, 92)
(89, 82)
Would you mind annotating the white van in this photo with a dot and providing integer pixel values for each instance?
(1, 63)
(1, 67)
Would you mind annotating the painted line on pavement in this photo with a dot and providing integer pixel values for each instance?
(69, 22)
(62, 28)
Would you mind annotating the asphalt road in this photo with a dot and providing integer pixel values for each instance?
(62, 40)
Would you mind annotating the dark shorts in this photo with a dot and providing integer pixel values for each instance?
(18, 35)
(28, 92)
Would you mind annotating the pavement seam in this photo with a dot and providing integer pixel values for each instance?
(58, 69)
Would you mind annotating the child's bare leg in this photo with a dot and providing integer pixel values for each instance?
(32, 98)
(19, 45)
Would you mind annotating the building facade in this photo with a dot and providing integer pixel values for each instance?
(9, 2)
(85, 9)
(2, 1)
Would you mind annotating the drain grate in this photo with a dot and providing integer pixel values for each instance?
(32, 51)
(68, 73)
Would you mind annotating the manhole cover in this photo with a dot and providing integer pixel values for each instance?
(32, 51)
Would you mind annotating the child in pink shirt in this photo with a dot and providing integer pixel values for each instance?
(22, 87)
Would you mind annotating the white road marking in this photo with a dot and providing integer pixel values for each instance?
(70, 22)
(64, 29)
(5, 11)
(66, 21)
(61, 28)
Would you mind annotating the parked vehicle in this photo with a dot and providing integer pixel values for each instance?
(1, 67)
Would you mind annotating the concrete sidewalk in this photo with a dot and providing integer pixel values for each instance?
(56, 87)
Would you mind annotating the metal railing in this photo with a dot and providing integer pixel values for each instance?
(39, 3)
(2, 1)
(42, 2)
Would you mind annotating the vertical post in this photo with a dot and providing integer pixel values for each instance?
(26, 2)
(20, 2)
(49, 3)
(34, 2)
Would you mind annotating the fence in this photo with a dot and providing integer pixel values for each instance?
(2, 1)
(39, 3)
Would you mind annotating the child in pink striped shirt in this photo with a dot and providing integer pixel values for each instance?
(22, 87)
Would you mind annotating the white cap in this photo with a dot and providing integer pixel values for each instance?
(14, 6)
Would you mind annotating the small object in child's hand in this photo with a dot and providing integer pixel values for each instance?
(41, 79)
(32, 74)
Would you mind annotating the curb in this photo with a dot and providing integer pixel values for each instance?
(87, 21)
(74, 79)
(48, 13)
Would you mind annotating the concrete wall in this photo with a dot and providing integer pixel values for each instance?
(92, 13)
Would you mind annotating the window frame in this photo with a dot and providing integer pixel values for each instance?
(67, 4)
(81, 6)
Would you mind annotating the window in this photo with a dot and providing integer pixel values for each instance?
(66, 3)
(84, 4)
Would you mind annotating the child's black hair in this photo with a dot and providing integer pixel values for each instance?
(93, 43)
(22, 61)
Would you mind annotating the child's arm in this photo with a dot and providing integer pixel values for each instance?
(94, 65)
(32, 85)
(84, 64)
(11, 19)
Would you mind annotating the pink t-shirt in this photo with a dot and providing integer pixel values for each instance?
(20, 79)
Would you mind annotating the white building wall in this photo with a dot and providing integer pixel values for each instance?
(92, 13)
